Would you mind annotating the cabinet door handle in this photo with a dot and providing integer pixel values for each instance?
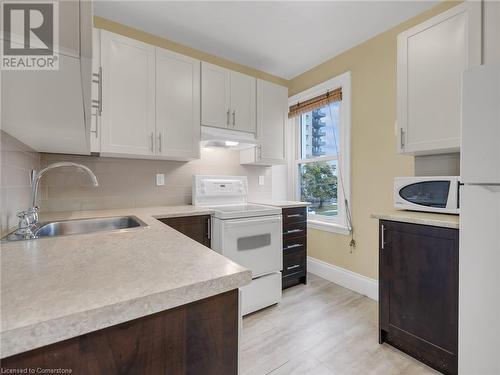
(293, 246)
(293, 267)
(294, 215)
(293, 231)
(98, 80)
(100, 90)
(234, 118)
(227, 117)
(152, 142)
(382, 237)
(96, 115)
(209, 228)
(159, 142)
(402, 138)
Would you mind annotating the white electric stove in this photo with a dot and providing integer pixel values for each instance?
(248, 234)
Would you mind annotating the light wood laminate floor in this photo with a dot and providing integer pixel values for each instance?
(320, 329)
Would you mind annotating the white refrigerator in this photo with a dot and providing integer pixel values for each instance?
(479, 254)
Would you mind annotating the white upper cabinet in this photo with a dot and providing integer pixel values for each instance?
(50, 110)
(177, 106)
(227, 99)
(128, 113)
(243, 102)
(431, 59)
(272, 116)
(95, 119)
(215, 96)
(150, 101)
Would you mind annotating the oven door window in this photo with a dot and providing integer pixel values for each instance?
(254, 242)
(427, 193)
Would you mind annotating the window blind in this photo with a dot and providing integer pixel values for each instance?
(315, 103)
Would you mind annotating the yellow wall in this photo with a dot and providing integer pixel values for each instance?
(102, 23)
(374, 161)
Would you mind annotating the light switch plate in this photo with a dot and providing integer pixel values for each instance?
(262, 180)
(160, 179)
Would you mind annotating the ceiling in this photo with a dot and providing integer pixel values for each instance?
(283, 38)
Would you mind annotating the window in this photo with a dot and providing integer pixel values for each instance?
(320, 167)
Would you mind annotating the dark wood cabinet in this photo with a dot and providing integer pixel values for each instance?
(418, 292)
(294, 246)
(195, 227)
(197, 338)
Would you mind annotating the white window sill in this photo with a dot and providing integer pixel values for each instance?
(327, 227)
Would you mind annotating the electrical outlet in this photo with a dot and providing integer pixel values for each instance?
(160, 179)
(262, 180)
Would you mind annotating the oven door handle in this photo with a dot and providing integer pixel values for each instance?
(236, 223)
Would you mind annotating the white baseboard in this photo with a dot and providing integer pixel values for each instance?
(348, 279)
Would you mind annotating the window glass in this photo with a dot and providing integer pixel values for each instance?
(320, 164)
(318, 186)
(319, 130)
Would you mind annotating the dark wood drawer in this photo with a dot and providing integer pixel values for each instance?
(294, 263)
(294, 215)
(293, 230)
(294, 244)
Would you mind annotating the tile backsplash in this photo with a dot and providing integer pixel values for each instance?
(125, 183)
(17, 161)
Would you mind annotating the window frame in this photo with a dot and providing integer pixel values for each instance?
(337, 224)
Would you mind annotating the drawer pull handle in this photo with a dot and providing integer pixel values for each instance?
(382, 237)
(293, 267)
(293, 231)
(294, 215)
(293, 246)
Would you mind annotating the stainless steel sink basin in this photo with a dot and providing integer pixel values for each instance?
(81, 226)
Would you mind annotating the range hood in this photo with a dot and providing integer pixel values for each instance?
(49, 110)
(233, 139)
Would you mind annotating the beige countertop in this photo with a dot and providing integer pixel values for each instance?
(425, 218)
(282, 204)
(56, 288)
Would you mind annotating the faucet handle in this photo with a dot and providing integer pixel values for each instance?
(33, 211)
(26, 222)
(27, 219)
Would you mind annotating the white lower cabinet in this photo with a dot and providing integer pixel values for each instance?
(431, 59)
(177, 106)
(272, 112)
(128, 89)
(150, 101)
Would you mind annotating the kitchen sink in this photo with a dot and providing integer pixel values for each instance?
(81, 226)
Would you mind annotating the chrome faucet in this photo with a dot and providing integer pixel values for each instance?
(28, 220)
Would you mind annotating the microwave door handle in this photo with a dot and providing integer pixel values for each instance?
(459, 186)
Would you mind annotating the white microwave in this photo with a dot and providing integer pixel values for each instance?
(430, 194)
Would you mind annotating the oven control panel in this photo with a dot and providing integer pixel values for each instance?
(210, 190)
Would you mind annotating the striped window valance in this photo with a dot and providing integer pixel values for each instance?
(315, 103)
